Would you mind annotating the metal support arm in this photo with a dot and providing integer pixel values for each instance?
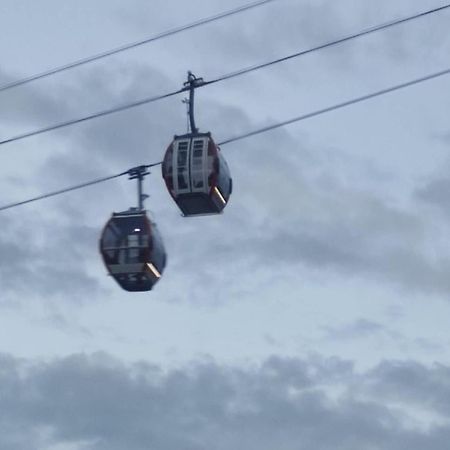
(139, 173)
(190, 85)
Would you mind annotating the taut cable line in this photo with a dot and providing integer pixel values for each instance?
(230, 75)
(254, 132)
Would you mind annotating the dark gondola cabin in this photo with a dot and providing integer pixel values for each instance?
(197, 175)
(132, 250)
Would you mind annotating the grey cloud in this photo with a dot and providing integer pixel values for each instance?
(46, 258)
(122, 140)
(31, 105)
(423, 39)
(436, 193)
(287, 206)
(255, 36)
(414, 384)
(281, 403)
(359, 329)
(281, 216)
(363, 329)
(280, 213)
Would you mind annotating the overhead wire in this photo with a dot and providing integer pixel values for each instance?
(132, 45)
(265, 129)
(329, 44)
(63, 191)
(72, 188)
(105, 112)
(226, 76)
(338, 106)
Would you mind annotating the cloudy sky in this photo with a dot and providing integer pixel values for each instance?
(312, 314)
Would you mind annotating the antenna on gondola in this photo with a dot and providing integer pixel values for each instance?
(139, 173)
(192, 83)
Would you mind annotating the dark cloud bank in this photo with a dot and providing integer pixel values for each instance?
(95, 402)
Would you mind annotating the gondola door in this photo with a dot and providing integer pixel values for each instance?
(181, 166)
(198, 160)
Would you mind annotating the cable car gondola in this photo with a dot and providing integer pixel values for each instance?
(131, 246)
(194, 170)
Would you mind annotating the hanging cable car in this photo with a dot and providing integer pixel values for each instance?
(131, 246)
(194, 170)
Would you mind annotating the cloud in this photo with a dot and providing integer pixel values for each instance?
(49, 254)
(436, 192)
(294, 205)
(31, 105)
(291, 217)
(361, 328)
(46, 258)
(415, 384)
(100, 403)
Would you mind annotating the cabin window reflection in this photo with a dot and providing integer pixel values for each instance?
(109, 237)
(133, 249)
(109, 242)
(182, 178)
(182, 156)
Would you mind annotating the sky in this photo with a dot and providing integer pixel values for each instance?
(312, 313)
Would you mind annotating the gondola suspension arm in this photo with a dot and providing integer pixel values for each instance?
(139, 173)
(190, 85)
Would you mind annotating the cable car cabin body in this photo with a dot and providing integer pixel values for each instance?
(133, 250)
(197, 175)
